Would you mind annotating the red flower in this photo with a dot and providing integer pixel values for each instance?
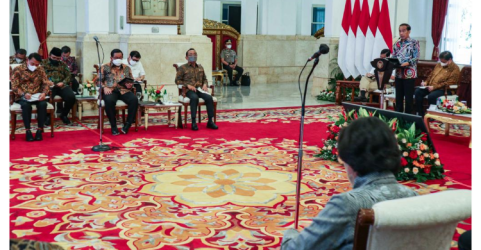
(335, 129)
(424, 137)
(157, 91)
(344, 115)
(413, 154)
(394, 126)
(427, 170)
(355, 115)
(370, 113)
(330, 136)
(404, 162)
(334, 151)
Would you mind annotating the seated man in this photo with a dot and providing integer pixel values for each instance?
(371, 156)
(228, 57)
(369, 83)
(192, 76)
(137, 69)
(112, 74)
(29, 79)
(72, 66)
(58, 72)
(444, 74)
(19, 57)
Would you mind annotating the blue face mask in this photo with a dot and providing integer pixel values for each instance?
(192, 58)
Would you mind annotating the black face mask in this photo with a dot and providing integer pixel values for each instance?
(53, 62)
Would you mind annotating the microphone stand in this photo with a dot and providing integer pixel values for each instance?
(300, 154)
(101, 147)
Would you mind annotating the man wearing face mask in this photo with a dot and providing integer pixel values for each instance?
(192, 76)
(228, 57)
(58, 72)
(444, 74)
(371, 157)
(138, 72)
(29, 79)
(113, 73)
(19, 57)
(72, 66)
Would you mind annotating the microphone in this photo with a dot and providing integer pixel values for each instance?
(96, 38)
(323, 49)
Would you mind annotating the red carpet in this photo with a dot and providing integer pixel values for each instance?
(148, 193)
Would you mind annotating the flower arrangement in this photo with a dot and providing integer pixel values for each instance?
(454, 107)
(155, 94)
(90, 87)
(327, 95)
(418, 160)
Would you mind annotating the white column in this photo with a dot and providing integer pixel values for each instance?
(82, 16)
(98, 16)
(249, 17)
(212, 10)
(193, 17)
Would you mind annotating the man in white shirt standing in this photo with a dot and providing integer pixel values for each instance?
(368, 82)
(138, 72)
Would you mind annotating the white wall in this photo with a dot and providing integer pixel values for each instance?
(278, 17)
(98, 16)
(249, 17)
(64, 17)
(32, 41)
(212, 10)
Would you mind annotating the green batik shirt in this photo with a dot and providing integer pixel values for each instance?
(56, 74)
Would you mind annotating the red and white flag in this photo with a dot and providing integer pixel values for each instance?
(383, 38)
(370, 34)
(341, 56)
(361, 37)
(351, 40)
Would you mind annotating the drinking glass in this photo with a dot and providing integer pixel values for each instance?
(171, 95)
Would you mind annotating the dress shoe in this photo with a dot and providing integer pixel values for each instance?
(212, 125)
(65, 120)
(360, 99)
(125, 128)
(29, 136)
(38, 135)
(194, 127)
(115, 131)
(47, 121)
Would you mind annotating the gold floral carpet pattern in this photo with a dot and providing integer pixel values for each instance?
(183, 192)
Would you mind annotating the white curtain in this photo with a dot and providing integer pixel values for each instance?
(12, 9)
(457, 31)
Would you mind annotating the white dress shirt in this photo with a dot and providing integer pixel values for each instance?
(137, 70)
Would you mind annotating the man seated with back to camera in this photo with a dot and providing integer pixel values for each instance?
(228, 57)
(444, 74)
(371, 157)
(112, 74)
(368, 82)
(58, 72)
(138, 72)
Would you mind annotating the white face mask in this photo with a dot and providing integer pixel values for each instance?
(443, 64)
(117, 62)
(31, 68)
(229, 46)
(132, 62)
(18, 60)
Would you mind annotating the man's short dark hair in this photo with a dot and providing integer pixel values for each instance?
(135, 53)
(65, 49)
(386, 52)
(21, 52)
(187, 52)
(408, 27)
(446, 55)
(36, 56)
(368, 145)
(114, 51)
(56, 51)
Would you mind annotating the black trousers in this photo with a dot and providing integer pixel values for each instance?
(230, 70)
(194, 102)
(419, 95)
(68, 98)
(404, 89)
(74, 83)
(129, 98)
(138, 88)
(27, 112)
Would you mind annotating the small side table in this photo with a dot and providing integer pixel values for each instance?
(147, 106)
(447, 119)
(83, 99)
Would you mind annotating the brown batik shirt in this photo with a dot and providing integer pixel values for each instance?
(443, 76)
(112, 75)
(191, 75)
(56, 74)
(25, 81)
(13, 61)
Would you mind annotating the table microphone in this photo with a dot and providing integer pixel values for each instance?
(323, 49)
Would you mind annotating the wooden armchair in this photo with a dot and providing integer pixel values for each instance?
(15, 109)
(341, 93)
(185, 101)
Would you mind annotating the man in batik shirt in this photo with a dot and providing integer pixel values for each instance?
(406, 50)
(72, 66)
